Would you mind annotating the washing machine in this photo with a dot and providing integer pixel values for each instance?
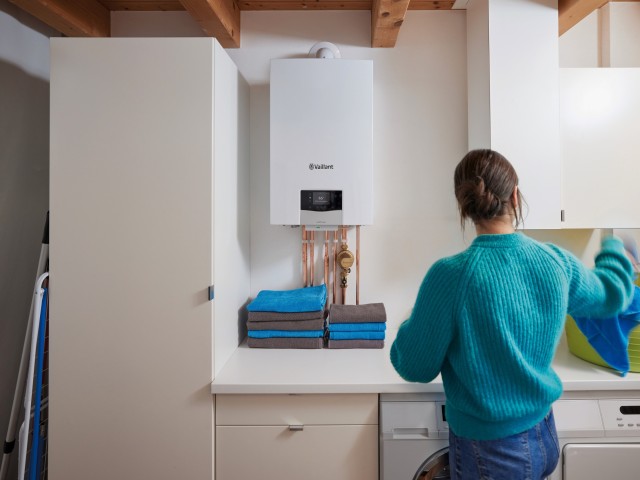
(414, 437)
(599, 436)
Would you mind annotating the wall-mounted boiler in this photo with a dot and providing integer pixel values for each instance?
(321, 134)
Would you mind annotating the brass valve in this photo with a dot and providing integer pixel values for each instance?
(345, 260)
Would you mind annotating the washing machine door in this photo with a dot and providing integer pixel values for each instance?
(436, 467)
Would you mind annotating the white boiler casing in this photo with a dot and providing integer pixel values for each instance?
(321, 132)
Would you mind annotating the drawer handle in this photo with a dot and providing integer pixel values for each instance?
(296, 428)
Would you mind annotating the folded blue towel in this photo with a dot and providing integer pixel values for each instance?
(356, 335)
(285, 333)
(610, 336)
(308, 299)
(357, 327)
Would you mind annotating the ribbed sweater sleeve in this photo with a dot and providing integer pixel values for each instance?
(428, 330)
(604, 290)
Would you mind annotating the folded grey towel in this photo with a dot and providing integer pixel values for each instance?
(317, 324)
(356, 344)
(284, 316)
(368, 313)
(276, 342)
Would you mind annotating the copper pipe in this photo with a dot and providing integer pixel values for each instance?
(332, 269)
(304, 256)
(357, 264)
(343, 287)
(335, 263)
(312, 247)
(325, 266)
(326, 258)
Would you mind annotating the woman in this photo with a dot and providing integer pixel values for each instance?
(489, 320)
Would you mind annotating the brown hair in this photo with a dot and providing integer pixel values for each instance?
(484, 182)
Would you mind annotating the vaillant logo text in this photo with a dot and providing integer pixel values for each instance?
(320, 166)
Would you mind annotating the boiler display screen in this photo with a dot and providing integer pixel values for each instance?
(321, 198)
(630, 409)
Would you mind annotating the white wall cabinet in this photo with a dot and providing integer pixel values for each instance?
(599, 122)
(512, 71)
(310, 437)
(149, 207)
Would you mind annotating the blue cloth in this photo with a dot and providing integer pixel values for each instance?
(610, 336)
(489, 320)
(308, 299)
(285, 333)
(356, 335)
(357, 327)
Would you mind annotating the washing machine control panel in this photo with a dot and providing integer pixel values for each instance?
(621, 417)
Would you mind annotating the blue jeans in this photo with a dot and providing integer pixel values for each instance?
(530, 455)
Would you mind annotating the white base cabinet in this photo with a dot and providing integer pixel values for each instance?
(311, 437)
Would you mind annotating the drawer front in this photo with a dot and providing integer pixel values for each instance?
(342, 452)
(600, 461)
(348, 409)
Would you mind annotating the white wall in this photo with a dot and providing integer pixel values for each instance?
(620, 35)
(24, 185)
(578, 46)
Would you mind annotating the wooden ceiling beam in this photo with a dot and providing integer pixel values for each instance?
(218, 18)
(570, 12)
(386, 19)
(88, 18)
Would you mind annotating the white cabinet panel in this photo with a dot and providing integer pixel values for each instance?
(318, 452)
(512, 70)
(297, 409)
(600, 137)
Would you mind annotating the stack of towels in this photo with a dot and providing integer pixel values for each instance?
(357, 326)
(287, 318)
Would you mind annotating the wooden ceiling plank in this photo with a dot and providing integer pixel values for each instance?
(143, 5)
(431, 4)
(570, 12)
(218, 18)
(257, 5)
(88, 18)
(386, 19)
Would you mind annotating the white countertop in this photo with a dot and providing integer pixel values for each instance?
(259, 370)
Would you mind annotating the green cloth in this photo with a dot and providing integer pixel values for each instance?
(489, 320)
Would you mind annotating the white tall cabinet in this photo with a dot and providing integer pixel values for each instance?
(149, 208)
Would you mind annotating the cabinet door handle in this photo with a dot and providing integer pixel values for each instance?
(296, 428)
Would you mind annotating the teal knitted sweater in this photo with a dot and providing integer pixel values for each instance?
(489, 320)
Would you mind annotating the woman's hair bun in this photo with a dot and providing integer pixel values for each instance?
(484, 183)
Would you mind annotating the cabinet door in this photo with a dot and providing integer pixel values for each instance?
(599, 118)
(131, 259)
(318, 452)
(512, 55)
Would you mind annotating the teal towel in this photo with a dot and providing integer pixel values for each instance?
(356, 335)
(610, 336)
(285, 333)
(309, 299)
(357, 327)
